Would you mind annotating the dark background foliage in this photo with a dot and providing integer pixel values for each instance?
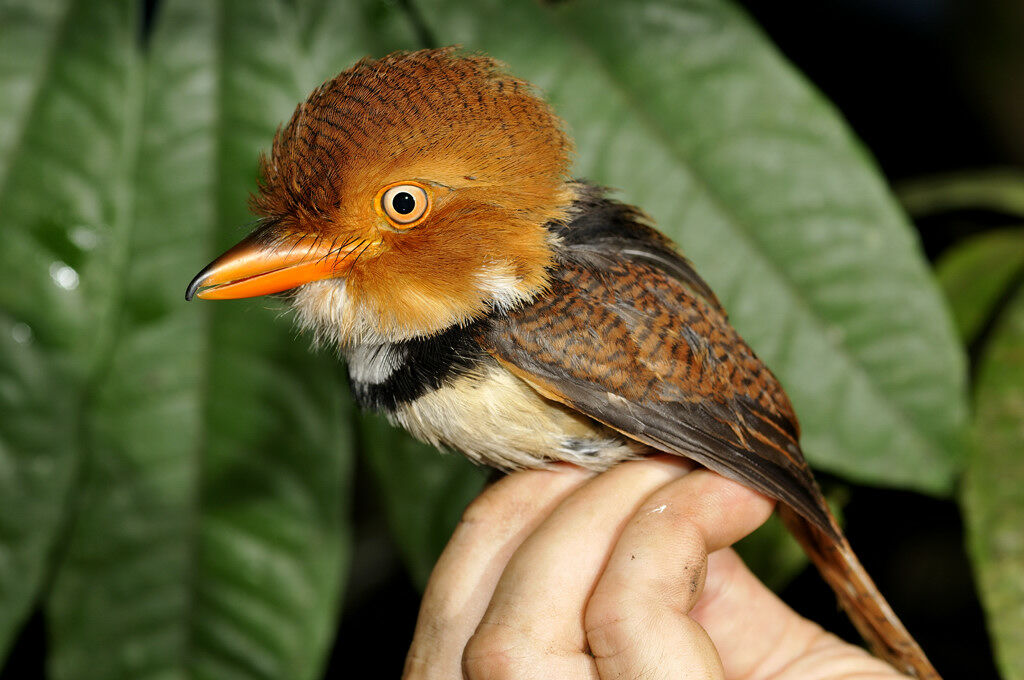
(935, 90)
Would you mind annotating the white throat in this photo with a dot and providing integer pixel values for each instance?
(374, 364)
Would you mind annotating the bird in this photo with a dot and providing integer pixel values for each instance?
(418, 213)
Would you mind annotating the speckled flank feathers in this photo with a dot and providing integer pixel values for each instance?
(629, 346)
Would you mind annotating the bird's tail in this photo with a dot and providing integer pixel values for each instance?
(859, 596)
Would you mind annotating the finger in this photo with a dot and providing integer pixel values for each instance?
(734, 609)
(465, 575)
(534, 624)
(636, 617)
(759, 636)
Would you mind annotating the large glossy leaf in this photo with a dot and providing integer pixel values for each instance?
(207, 537)
(59, 142)
(686, 107)
(204, 451)
(30, 33)
(38, 446)
(976, 275)
(992, 497)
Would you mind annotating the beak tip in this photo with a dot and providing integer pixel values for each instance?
(193, 286)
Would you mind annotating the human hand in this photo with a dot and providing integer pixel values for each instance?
(627, 574)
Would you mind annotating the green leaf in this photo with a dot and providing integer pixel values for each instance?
(208, 539)
(687, 108)
(59, 142)
(424, 492)
(1000, 189)
(992, 498)
(30, 33)
(38, 446)
(976, 273)
(196, 458)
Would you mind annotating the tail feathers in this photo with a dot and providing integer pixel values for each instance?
(859, 596)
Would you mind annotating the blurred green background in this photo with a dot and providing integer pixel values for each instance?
(186, 491)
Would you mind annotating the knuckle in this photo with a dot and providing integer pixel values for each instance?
(735, 497)
(610, 623)
(434, 624)
(666, 512)
(679, 525)
(604, 611)
(726, 498)
(691, 543)
(490, 507)
(479, 509)
(680, 587)
(694, 574)
(493, 653)
(676, 579)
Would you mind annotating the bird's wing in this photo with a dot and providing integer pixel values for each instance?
(631, 336)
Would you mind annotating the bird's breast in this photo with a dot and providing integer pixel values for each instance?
(446, 391)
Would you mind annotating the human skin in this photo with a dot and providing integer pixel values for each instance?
(627, 574)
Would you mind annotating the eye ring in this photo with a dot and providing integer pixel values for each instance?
(403, 204)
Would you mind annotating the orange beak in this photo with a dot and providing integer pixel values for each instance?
(257, 267)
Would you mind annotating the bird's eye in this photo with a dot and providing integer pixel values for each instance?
(404, 205)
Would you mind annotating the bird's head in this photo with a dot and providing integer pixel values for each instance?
(405, 195)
